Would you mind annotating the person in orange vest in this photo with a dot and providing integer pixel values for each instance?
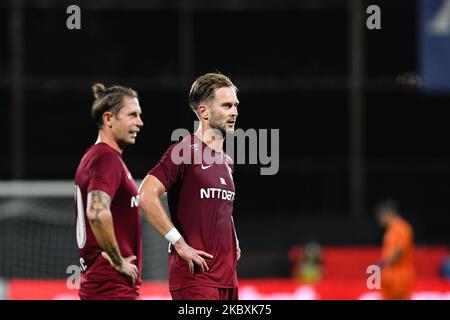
(397, 266)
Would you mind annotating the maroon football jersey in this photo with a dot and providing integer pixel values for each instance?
(200, 197)
(102, 168)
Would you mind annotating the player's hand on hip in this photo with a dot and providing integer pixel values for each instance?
(126, 268)
(191, 256)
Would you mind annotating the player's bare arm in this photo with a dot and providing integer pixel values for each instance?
(150, 203)
(101, 221)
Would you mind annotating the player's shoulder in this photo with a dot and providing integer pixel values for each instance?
(401, 223)
(190, 141)
(102, 153)
(186, 145)
(401, 228)
(406, 226)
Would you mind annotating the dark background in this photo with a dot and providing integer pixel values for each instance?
(292, 62)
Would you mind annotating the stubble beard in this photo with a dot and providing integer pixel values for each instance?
(216, 126)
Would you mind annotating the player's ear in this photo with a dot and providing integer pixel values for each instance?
(203, 111)
(107, 119)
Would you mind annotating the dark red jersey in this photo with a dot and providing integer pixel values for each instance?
(200, 197)
(102, 168)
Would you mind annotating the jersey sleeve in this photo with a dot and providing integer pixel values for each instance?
(106, 174)
(167, 171)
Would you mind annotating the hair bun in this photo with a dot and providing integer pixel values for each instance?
(98, 90)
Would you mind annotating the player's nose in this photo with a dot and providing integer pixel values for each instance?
(140, 123)
(234, 111)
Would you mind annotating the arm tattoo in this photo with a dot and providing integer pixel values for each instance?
(100, 201)
(114, 255)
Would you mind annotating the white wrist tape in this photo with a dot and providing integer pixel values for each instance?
(173, 235)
